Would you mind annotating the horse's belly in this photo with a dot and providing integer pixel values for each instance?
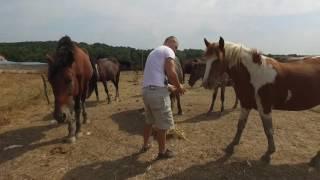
(299, 101)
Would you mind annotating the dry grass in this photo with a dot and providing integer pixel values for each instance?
(111, 142)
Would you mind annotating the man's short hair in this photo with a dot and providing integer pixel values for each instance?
(170, 38)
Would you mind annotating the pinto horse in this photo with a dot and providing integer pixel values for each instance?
(263, 83)
(69, 72)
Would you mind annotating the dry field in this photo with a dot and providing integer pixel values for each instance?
(31, 146)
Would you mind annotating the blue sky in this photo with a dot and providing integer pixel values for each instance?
(273, 26)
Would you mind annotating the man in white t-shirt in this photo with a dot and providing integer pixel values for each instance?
(159, 68)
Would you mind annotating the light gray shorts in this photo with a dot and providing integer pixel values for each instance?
(158, 107)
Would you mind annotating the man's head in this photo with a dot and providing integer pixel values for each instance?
(171, 42)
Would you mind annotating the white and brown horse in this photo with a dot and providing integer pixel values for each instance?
(263, 83)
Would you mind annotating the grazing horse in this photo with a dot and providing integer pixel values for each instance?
(175, 96)
(105, 69)
(69, 72)
(263, 83)
(197, 72)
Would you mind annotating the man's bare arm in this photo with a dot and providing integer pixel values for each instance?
(172, 75)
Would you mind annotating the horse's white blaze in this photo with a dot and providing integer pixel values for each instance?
(289, 95)
(260, 74)
(208, 69)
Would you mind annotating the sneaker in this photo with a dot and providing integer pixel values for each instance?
(166, 155)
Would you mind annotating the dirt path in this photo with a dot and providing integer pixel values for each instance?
(108, 150)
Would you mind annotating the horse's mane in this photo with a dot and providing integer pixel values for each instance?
(63, 56)
(235, 53)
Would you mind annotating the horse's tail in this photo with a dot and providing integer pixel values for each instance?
(65, 50)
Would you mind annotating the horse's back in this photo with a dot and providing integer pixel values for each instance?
(297, 84)
(109, 68)
(83, 62)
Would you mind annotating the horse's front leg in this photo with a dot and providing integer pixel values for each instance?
(265, 115)
(214, 96)
(223, 87)
(84, 112)
(241, 125)
(72, 129)
(77, 109)
(179, 105)
(236, 101)
(268, 130)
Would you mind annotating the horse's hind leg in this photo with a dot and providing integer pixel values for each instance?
(179, 105)
(222, 89)
(106, 90)
(214, 96)
(117, 85)
(236, 102)
(241, 125)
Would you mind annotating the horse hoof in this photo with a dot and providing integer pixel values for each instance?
(229, 149)
(315, 161)
(79, 134)
(70, 140)
(266, 159)
(180, 113)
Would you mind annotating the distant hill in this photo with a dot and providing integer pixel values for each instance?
(130, 58)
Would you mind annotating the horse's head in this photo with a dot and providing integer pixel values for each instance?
(63, 81)
(215, 62)
(197, 71)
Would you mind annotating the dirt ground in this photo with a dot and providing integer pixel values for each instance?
(31, 147)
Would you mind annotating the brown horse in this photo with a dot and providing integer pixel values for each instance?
(263, 83)
(197, 72)
(69, 72)
(106, 69)
(187, 66)
(174, 96)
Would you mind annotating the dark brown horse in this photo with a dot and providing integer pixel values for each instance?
(197, 72)
(187, 66)
(106, 69)
(69, 72)
(174, 96)
(263, 83)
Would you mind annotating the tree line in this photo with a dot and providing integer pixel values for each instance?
(130, 58)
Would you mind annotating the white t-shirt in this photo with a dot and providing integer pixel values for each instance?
(154, 73)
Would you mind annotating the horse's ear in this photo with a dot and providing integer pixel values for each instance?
(49, 59)
(206, 42)
(221, 43)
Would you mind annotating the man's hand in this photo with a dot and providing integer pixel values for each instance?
(178, 90)
(181, 90)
